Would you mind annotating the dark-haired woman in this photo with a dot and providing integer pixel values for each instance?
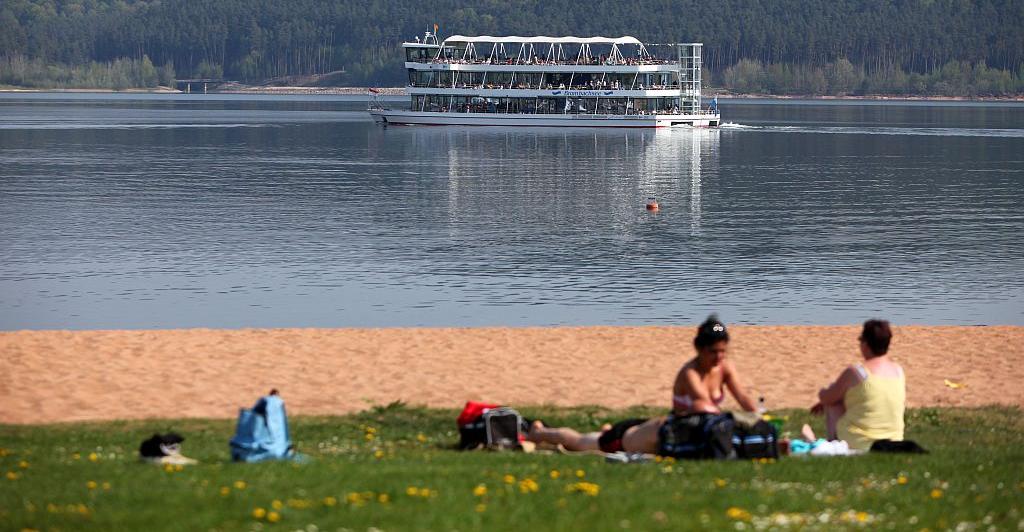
(867, 401)
(701, 383)
(699, 388)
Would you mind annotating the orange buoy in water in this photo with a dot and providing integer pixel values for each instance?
(652, 204)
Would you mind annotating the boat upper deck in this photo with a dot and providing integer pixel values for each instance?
(540, 53)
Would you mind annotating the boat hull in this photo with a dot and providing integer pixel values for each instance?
(396, 117)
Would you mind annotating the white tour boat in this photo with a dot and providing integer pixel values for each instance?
(550, 81)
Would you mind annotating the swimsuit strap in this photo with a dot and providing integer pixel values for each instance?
(686, 402)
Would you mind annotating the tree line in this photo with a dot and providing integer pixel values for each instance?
(783, 46)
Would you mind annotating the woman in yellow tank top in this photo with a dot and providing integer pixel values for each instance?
(867, 401)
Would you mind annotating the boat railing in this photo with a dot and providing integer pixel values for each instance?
(546, 86)
(556, 110)
(545, 62)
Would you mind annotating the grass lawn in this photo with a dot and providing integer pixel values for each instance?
(392, 468)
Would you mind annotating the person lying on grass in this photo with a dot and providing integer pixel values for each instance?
(699, 389)
(866, 402)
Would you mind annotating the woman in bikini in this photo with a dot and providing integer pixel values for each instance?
(867, 401)
(699, 388)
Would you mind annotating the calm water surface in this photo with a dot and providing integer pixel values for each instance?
(122, 211)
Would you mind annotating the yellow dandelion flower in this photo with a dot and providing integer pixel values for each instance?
(378, 454)
(225, 491)
(383, 498)
(738, 514)
(554, 474)
(480, 508)
(240, 484)
(901, 480)
(508, 479)
(82, 509)
(106, 486)
(529, 486)
(52, 508)
(720, 482)
(179, 468)
(76, 456)
(11, 475)
(91, 484)
(580, 473)
(936, 493)
(862, 517)
(421, 438)
(371, 430)
(169, 468)
(259, 513)
(273, 517)
(657, 459)
(412, 491)
(354, 498)
(23, 464)
(669, 460)
(93, 457)
(425, 492)
(276, 504)
(330, 501)
(480, 490)
(588, 488)
(369, 436)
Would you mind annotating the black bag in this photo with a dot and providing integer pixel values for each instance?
(161, 445)
(697, 436)
(759, 440)
(472, 434)
(496, 428)
(904, 446)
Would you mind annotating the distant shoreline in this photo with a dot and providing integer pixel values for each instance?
(399, 91)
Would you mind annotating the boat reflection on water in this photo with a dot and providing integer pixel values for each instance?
(582, 175)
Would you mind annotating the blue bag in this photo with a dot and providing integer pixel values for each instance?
(262, 432)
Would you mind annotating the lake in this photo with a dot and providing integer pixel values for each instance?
(168, 211)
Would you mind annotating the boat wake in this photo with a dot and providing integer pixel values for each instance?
(882, 130)
(734, 125)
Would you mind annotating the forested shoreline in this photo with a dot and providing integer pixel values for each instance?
(787, 47)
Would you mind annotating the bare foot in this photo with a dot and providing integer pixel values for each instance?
(606, 427)
(808, 433)
(536, 425)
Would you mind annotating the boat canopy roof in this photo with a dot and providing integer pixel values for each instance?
(542, 39)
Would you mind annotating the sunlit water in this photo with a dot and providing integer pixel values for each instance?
(121, 211)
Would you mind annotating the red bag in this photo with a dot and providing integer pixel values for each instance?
(473, 411)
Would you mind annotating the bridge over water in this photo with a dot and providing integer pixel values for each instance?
(199, 85)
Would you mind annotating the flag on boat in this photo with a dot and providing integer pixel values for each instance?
(435, 28)
(373, 91)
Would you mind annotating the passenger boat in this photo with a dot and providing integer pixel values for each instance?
(550, 81)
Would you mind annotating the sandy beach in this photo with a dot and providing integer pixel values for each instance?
(55, 376)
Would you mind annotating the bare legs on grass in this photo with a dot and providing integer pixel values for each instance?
(564, 436)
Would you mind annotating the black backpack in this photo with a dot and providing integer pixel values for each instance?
(697, 436)
(759, 440)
